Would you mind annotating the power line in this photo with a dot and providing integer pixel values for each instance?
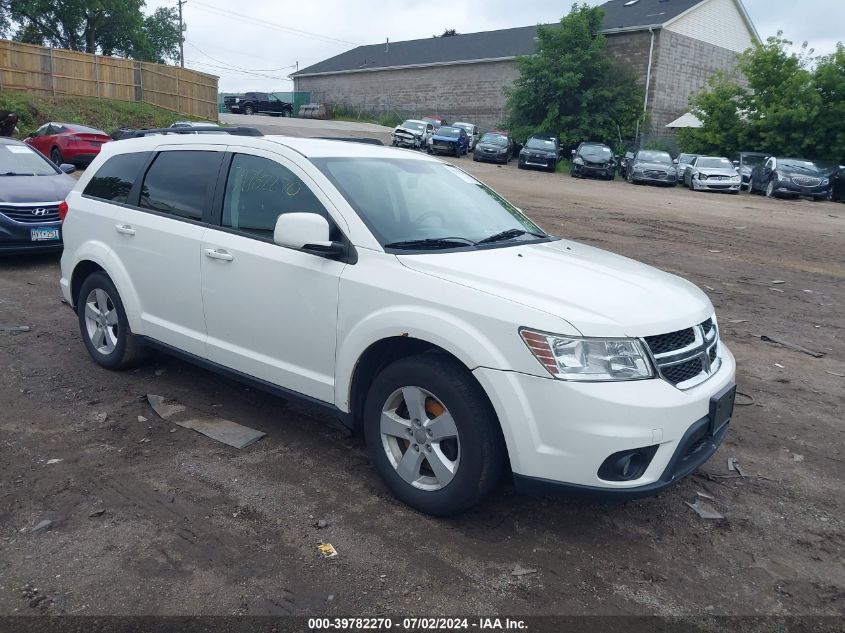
(251, 70)
(234, 71)
(270, 25)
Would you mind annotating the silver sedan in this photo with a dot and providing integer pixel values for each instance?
(712, 173)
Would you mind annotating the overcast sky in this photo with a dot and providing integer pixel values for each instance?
(264, 39)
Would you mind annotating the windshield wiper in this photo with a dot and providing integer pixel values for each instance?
(508, 235)
(14, 173)
(432, 243)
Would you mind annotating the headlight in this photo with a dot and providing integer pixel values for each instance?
(578, 161)
(825, 182)
(736, 178)
(783, 178)
(589, 359)
(702, 176)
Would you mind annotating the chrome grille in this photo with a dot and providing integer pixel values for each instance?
(689, 357)
(31, 214)
(807, 181)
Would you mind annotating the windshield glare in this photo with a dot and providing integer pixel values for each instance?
(494, 139)
(539, 143)
(798, 165)
(714, 163)
(655, 157)
(23, 161)
(451, 132)
(596, 151)
(413, 125)
(402, 200)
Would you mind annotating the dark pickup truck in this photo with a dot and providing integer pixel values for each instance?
(258, 103)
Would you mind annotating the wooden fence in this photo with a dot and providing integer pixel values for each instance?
(56, 71)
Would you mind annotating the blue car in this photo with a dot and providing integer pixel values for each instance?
(31, 191)
(449, 140)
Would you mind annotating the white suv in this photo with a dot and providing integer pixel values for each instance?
(407, 298)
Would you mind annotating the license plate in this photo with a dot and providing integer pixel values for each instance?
(44, 234)
(721, 409)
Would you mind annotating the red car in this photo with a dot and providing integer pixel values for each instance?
(68, 142)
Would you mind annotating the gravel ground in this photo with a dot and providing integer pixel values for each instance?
(150, 518)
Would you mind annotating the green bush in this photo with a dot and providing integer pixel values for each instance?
(104, 114)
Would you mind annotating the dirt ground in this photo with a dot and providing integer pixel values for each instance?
(190, 526)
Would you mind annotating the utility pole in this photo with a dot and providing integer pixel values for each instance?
(181, 34)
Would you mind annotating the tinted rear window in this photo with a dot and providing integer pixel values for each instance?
(115, 178)
(179, 182)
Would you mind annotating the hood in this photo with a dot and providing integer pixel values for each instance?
(23, 189)
(492, 147)
(661, 166)
(718, 172)
(404, 130)
(596, 292)
(544, 152)
(448, 139)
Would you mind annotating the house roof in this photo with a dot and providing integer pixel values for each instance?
(620, 16)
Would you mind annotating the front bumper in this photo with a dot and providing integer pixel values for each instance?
(788, 188)
(440, 147)
(559, 433)
(668, 179)
(602, 171)
(538, 161)
(16, 237)
(405, 141)
(495, 157)
(715, 185)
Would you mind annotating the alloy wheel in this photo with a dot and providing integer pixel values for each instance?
(420, 438)
(101, 321)
(770, 189)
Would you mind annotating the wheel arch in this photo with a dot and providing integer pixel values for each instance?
(96, 259)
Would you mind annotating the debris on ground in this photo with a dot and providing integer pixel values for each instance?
(738, 321)
(793, 346)
(141, 418)
(520, 571)
(225, 431)
(97, 513)
(54, 461)
(327, 550)
(15, 328)
(744, 395)
(46, 524)
(321, 524)
(833, 373)
(705, 510)
(777, 282)
(797, 458)
(705, 495)
(733, 466)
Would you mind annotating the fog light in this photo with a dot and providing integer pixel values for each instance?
(627, 465)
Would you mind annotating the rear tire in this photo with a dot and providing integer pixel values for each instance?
(432, 434)
(103, 325)
(56, 156)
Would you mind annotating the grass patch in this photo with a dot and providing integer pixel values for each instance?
(564, 165)
(104, 114)
(387, 119)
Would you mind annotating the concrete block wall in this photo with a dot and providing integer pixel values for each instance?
(683, 67)
(461, 92)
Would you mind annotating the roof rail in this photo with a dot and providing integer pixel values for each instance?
(234, 131)
(350, 139)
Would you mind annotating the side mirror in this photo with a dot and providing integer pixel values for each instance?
(307, 232)
(67, 168)
(573, 153)
(736, 163)
(675, 161)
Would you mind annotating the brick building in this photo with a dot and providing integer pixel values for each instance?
(675, 46)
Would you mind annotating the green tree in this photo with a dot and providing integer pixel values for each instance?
(573, 87)
(792, 103)
(108, 27)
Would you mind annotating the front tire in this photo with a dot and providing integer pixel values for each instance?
(103, 324)
(249, 110)
(432, 434)
(770, 189)
(56, 156)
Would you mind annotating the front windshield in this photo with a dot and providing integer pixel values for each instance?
(686, 159)
(495, 139)
(796, 164)
(753, 160)
(654, 157)
(714, 163)
(465, 126)
(540, 143)
(451, 132)
(20, 160)
(404, 200)
(596, 151)
(416, 126)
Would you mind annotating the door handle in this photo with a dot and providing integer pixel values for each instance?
(219, 254)
(124, 229)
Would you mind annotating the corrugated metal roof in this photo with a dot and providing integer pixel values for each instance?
(488, 45)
